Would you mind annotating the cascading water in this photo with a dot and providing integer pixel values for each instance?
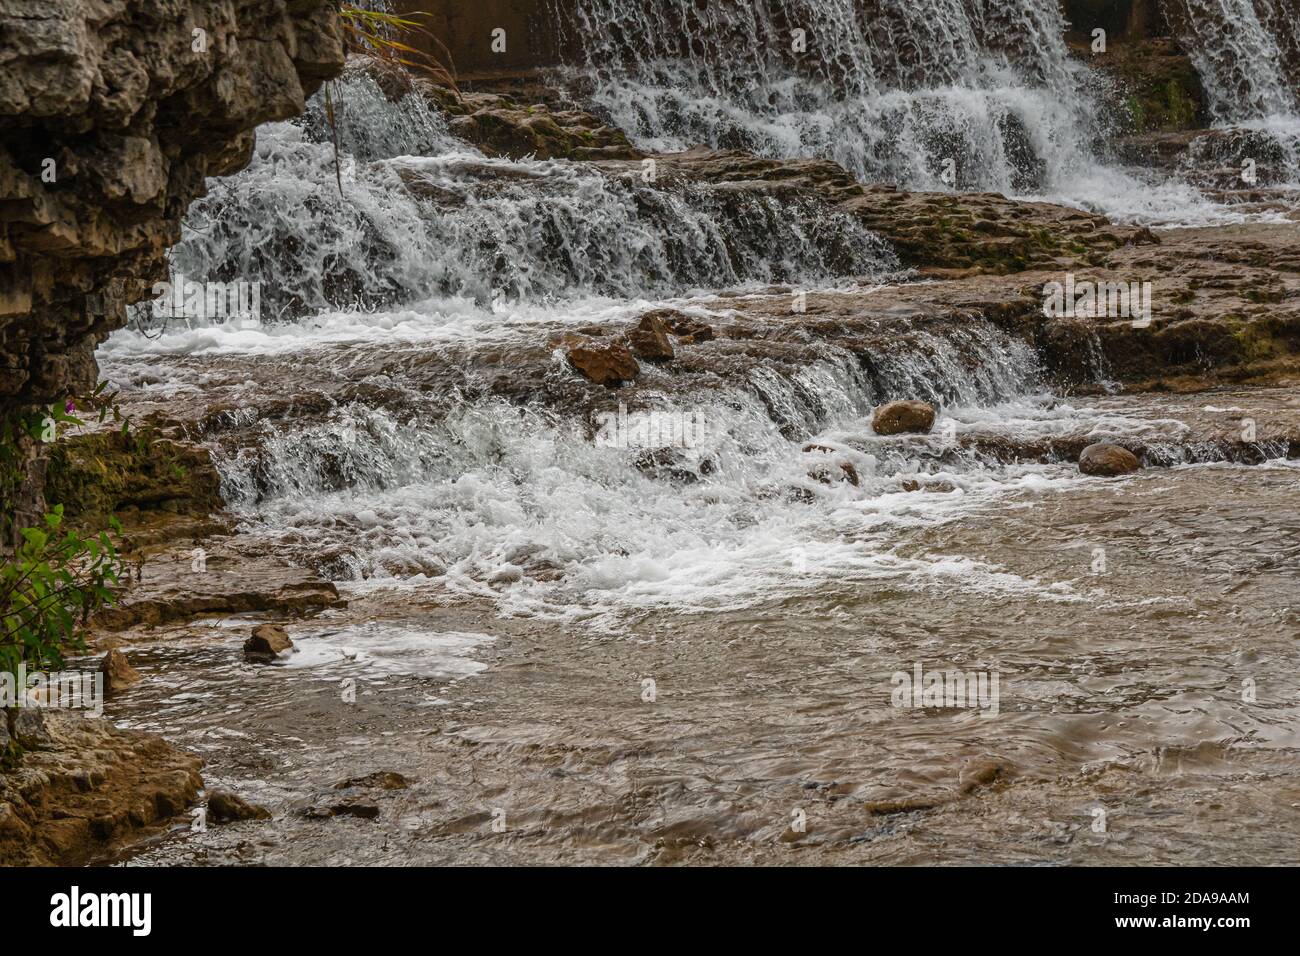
(890, 93)
(1240, 49)
(404, 421)
(929, 95)
(423, 215)
(1247, 53)
(414, 474)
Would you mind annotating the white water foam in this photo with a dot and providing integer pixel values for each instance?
(519, 506)
(423, 215)
(892, 90)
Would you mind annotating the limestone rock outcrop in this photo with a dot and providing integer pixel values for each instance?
(112, 115)
(86, 788)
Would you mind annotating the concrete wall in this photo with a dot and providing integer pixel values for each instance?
(534, 37)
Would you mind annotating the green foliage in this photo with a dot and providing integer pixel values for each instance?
(383, 35)
(54, 579)
(49, 588)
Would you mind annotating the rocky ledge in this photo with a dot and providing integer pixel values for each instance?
(83, 786)
(112, 115)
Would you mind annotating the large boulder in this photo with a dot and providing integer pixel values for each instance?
(1107, 460)
(88, 788)
(903, 417)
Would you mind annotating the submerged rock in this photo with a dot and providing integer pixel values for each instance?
(226, 807)
(650, 339)
(380, 779)
(118, 672)
(365, 811)
(1107, 460)
(903, 417)
(611, 364)
(268, 642)
(846, 472)
(827, 475)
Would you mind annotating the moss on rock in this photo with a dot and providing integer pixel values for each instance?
(100, 474)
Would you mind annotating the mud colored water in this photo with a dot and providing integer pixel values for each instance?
(576, 657)
(1147, 708)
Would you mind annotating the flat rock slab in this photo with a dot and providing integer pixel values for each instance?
(179, 585)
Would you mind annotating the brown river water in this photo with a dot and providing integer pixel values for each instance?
(1142, 634)
(655, 654)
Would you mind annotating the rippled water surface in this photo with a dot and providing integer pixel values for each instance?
(583, 653)
(1143, 632)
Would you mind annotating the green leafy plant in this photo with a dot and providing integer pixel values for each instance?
(53, 579)
(381, 35)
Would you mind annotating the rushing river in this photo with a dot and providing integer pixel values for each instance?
(576, 657)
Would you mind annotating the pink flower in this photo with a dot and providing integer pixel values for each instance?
(69, 407)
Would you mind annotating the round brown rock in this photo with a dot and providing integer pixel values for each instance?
(1106, 460)
(905, 417)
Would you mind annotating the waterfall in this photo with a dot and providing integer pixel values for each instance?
(928, 94)
(423, 215)
(1247, 53)
(476, 493)
(411, 417)
(1241, 50)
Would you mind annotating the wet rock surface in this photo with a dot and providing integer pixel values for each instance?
(99, 474)
(904, 416)
(979, 232)
(608, 364)
(649, 340)
(500, 126)
(86, 787)
(266, 644)
(118, 672)
(1107, 461)
(180, 584)
(226, 807)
